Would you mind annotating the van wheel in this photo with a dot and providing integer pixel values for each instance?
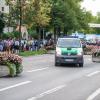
(57, 64)
(81, 65)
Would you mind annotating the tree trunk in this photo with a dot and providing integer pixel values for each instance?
(65, 31)
(39, 33)
(55, 33)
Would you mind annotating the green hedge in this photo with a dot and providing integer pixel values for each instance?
(31, 53)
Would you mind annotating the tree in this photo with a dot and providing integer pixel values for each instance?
(97, 20)
(41, 17)
(2, 24)
(68, 15)
(58, 15)
(33, 12)
(64, 15)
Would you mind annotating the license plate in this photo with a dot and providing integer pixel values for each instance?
(68, 59)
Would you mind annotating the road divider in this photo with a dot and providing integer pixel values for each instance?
(35, 70)
(93, 73)
(16, 85)
(93, 95)
(47, 92)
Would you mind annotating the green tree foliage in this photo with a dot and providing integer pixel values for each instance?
(97, 20)
(13, 15)
(68, 14)
(60, 15)
(33, 11)
(42, 11)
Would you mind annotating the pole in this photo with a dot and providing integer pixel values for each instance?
(20, 18)
(43, 34)
(9, 18)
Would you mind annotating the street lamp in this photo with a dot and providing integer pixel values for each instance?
(20, 17)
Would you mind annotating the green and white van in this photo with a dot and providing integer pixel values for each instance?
(69, 51)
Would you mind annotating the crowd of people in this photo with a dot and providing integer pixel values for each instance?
(15, 45)
(91, 46)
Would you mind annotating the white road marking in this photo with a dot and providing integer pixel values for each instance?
(94, 73)
(37, 70)
(47, 92)
(16, 85)
(93, 95)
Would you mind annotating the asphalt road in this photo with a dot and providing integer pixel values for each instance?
(41, 80)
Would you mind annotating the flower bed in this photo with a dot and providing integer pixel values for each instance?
(13, 62)
(88, 50)
(96, 56)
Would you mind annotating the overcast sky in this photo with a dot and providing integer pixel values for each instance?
(92, 5)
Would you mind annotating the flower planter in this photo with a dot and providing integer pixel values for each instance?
(96, 57)
(4, 71)
(87, 51)
(12, 62)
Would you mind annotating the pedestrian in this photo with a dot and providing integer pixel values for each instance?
(22, 45)
(8, 46)
(33, 45)
(12, 46)
(16, 46)
(1, 46)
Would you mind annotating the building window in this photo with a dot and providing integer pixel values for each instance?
(2, 8)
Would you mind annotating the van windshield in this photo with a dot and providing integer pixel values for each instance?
(65, 43)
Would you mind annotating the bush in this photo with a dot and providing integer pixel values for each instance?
(8, 35)
(19, 68)
(16, 34)
(33, 34)
(30, 53)
(11, 35)
(12, 69)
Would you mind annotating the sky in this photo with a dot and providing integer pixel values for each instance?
(92, 5)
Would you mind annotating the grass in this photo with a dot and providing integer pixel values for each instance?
(31, 53)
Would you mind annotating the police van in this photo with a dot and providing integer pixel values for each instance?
(69, 51)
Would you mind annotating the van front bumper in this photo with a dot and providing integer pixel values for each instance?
(69, 59)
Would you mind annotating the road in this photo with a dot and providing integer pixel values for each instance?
(41, 80)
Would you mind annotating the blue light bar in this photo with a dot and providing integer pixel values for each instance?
(69, 37)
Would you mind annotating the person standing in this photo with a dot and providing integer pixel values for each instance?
(16, 46)
(1, 45)
(8, 46)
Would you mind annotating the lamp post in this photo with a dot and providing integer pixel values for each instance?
(20, 17)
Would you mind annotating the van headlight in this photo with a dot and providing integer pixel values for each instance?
(58, 51)
(80, 53)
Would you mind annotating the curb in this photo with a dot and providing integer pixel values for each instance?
(51, 52)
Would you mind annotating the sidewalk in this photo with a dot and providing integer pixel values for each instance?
(4, 71)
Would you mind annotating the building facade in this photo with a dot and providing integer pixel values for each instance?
(3, 7)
